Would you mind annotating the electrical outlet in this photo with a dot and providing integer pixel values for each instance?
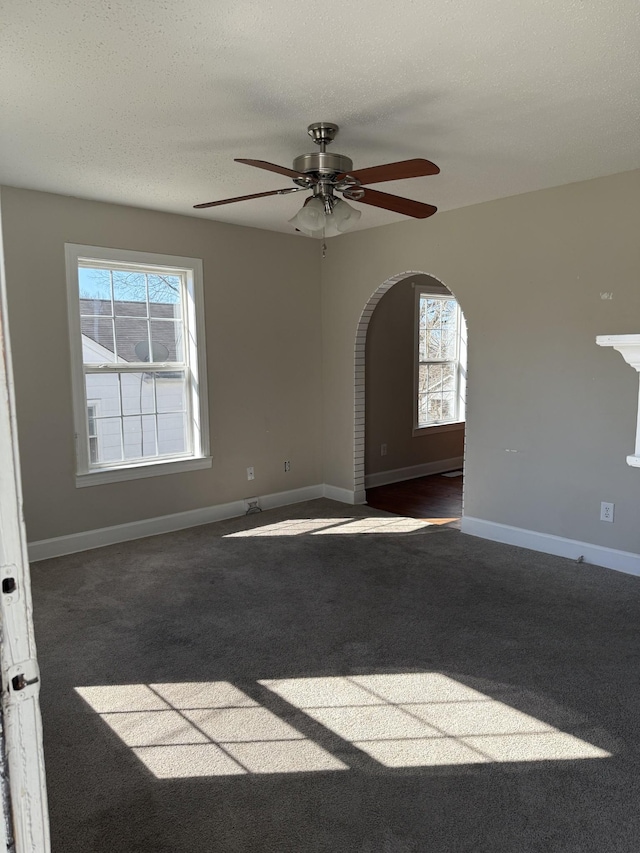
(606, 511)
(250, 473)
(383, 450)
(287, 466)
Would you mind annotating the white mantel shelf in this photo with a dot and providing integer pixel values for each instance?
(629, 348)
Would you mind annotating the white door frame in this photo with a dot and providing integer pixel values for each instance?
(18, 662)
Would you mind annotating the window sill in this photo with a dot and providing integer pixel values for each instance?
(136, 472)
(431, 429)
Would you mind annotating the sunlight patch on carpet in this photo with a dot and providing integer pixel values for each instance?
(191, 729)
(425, 719)
(324, 526)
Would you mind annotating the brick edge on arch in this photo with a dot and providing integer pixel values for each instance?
(359, 493)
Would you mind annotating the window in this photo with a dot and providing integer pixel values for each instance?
(137, 346)
(440, 359)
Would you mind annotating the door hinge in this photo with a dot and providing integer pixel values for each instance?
(23, 680)
(11, 593)
(19, 682)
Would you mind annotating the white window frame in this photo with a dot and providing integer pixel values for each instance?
(191, 270)
(460, 361)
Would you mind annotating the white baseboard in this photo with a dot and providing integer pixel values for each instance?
(74, 542)
(397, 475)
(609, 558)
(335, 493)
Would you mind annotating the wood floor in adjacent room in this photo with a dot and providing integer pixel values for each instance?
(437, 499)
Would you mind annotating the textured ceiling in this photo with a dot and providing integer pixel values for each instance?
(146, 103)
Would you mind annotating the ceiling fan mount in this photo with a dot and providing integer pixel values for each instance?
(326, 173)
(323, 132)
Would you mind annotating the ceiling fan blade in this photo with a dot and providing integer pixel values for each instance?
(271, 167)
(246, 197)
(407, 206)
(416, 168)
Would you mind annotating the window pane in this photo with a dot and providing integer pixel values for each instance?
(172, 434)
(134, 397)
(139, 437)
(437, 389)
(448, 343)
(137, 393)
(422, 344)
(109, 440)
(434, 407)
(434, 343)
(165, 296)
(171, 392)
(448, 405)
(434, 382)
(94, 291)
(166, 337)
(433, 313)
(103, 391)
(95, 306)
(423, 375)
(448, 377)
(129, 293)
(91, 418)
(97, 340)
(448, 312)
(132, 339)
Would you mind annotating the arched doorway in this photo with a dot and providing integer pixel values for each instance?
(425, 427)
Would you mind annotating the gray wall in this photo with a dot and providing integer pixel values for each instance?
(390, 389)
(262, 304)
(528, 272)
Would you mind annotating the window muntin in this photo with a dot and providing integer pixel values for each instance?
(440, 378)
(138, 360)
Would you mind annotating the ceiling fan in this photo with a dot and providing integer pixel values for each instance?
(325, 174)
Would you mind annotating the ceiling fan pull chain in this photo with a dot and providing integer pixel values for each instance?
(324, 249)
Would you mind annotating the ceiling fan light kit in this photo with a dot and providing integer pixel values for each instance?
(314, 220)
(327, 173)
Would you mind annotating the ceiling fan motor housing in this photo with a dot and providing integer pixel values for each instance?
(323, 163)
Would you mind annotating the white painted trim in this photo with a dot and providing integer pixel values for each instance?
(84, 541)
(397, 475)
(629, 348)
(335, 493)
(136, 472)
(609, 558)
(293, 496)
(195, 360)
(23, 764)
(433, 429)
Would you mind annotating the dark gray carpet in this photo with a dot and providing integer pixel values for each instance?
(553, 639)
